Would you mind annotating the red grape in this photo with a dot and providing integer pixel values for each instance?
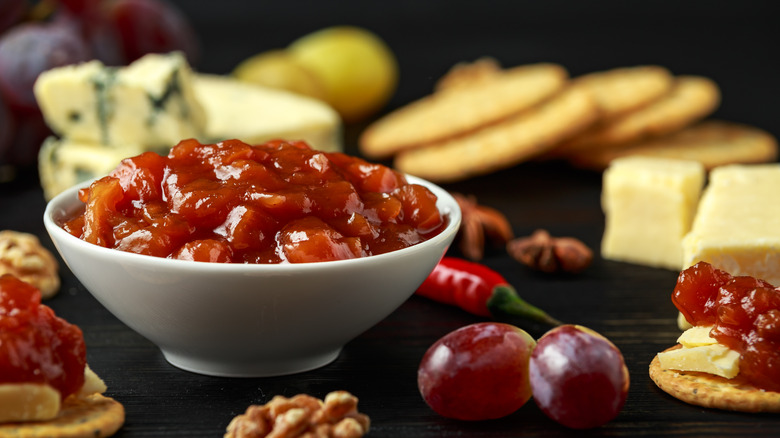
(477, 372)
(129, 29)
(31, 48)
(578, 377)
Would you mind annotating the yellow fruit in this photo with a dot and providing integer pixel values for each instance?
(358, 70)
(277, 69)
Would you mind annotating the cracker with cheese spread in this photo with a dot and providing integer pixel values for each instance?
(46, 387)
(711, 391)
(93, 416)
(728, 359)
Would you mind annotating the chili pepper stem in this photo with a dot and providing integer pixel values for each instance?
(506, 303)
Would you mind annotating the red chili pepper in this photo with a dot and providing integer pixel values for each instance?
(479, 290)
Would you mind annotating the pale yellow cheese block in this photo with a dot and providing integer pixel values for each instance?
(256, 114)
(37, 402)
(28, 402)
(697, 336)
(714, 359)
(701, 353)
(649, 205)
(737, 226)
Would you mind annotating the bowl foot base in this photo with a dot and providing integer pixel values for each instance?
(249, 368)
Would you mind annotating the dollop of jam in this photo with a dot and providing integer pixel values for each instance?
(36, 346)
(745, 313)
(231, 202)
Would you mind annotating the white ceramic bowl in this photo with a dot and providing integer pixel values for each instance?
(249, 320)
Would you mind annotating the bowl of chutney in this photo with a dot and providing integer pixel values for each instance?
(251, 260)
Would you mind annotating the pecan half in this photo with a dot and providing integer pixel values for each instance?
(479, 222)
(549, 254)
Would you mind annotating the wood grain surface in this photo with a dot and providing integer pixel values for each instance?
(629, 304)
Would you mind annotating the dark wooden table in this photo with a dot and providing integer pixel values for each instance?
(627, 303)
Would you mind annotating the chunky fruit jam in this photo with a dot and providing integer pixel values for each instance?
(35, 345)
(745, 312)
(280, 202)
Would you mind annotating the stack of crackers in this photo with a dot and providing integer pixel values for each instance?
(482, 118)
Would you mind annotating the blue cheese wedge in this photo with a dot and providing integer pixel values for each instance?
(737, 225)
(65, 163)
(256, 114)
(104, 114)
(151, 102)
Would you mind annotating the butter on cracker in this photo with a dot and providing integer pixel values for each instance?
(737, 226)
(649, 205)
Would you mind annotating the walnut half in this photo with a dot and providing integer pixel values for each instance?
(22, 255)
(302, 416)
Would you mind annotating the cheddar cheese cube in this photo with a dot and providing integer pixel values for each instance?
(737, 226)
(649, 205)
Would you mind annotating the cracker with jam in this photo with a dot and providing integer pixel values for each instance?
(46, 387)
(744, 313)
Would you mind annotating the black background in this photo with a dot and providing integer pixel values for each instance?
(733, 43)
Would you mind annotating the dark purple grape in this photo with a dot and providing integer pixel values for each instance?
(31, 48)
(578, 377)
(130, 29)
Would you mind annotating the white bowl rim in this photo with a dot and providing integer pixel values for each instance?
(58, 204)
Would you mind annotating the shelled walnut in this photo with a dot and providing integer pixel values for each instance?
(549, 254)
(302, 416)
(22, 255)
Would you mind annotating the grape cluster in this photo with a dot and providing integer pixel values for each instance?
(38, 36)
(489, 370)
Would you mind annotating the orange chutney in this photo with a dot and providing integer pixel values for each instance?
(745, 315)
(231, 202)
(35, 345)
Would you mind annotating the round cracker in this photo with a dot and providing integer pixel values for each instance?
(94, 416)
(469, 73)
(711, 391)
(691, 99)
(713, 143)
(457, 110)
(505, 144)
(621, 90)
